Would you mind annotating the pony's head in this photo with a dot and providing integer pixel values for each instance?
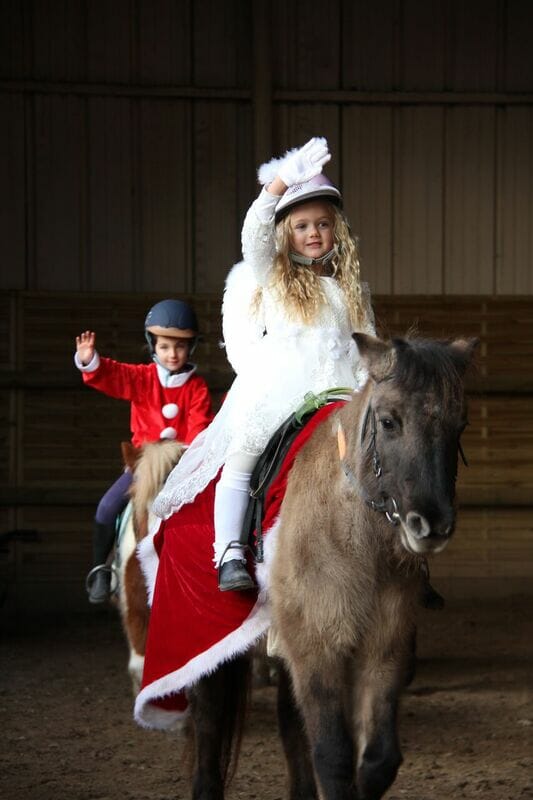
(414, 412)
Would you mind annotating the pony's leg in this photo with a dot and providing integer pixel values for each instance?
(379, 686)
(135, 616)
(218, 704)
(379, 749)
(323, 694)
(302, 784)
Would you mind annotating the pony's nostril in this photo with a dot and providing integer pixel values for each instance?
(418, 525)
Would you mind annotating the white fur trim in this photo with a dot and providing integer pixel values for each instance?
(235, 643)
(149, 561)
(162, 720)
(268, 171)
(241, 329)
(241, 277)
(92, 366)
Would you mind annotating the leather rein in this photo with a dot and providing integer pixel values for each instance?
(387, 505)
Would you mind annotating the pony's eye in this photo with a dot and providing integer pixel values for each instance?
(387, 423)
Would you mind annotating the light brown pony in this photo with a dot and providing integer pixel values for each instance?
(370, 496)
(151, 465)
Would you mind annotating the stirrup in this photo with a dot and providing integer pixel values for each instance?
(233, 545)
(113, 583)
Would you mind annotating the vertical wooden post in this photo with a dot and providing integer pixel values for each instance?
(262, 81)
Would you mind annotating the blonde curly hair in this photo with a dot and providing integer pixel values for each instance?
(299, 288)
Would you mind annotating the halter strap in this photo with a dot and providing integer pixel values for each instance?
(381, 505)
(376, 505)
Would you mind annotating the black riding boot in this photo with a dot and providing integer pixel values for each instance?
(99, 580)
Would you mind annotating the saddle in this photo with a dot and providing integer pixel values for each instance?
(270, 462)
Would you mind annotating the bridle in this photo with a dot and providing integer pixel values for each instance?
(387, 505)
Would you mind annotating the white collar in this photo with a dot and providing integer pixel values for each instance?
(169, 381)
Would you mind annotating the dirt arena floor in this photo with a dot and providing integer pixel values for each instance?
(67, 729)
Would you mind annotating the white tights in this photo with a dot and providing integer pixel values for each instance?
(231, 501)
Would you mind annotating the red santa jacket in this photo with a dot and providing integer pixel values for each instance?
(178, 411)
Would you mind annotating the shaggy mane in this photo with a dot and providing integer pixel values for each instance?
(423, 365)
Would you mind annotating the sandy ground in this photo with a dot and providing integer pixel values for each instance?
(67, 730)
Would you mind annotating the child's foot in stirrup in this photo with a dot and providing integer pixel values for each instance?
(100, 586)
(232, 576)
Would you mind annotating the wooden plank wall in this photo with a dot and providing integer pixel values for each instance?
(492, 550)
(60, 441)
(61, 449)
(131, 132)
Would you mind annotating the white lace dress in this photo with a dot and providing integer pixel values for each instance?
(277, 360)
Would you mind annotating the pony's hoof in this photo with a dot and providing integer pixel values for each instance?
(232, 576)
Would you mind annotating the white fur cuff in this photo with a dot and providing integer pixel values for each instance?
(268, 171)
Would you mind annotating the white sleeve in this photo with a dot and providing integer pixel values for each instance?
(258, 241)
(92, 366)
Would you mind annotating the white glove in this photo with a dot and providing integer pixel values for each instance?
(303, 164)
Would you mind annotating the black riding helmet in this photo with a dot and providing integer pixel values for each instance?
(171, 318)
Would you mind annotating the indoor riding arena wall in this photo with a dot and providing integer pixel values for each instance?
(62, 443)
(131, 132)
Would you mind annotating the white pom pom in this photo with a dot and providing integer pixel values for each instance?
(170, 410)
(168, 433)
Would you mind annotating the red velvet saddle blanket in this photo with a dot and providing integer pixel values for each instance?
(193, 626)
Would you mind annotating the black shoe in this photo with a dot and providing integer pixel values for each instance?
(100, 587)
(232, 576)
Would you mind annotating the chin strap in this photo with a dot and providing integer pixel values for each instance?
(310, 262)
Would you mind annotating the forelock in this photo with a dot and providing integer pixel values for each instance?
(429, 366)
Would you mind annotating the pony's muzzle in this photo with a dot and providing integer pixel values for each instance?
(424, 536)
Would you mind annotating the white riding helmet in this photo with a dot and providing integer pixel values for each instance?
(317, 187)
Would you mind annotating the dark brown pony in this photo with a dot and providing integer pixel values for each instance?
(370, 496)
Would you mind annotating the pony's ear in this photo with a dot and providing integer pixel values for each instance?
(377, 355)
(465, 349)
(466, 346)
(129, 454)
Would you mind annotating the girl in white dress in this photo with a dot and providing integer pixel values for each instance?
(288, 314)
